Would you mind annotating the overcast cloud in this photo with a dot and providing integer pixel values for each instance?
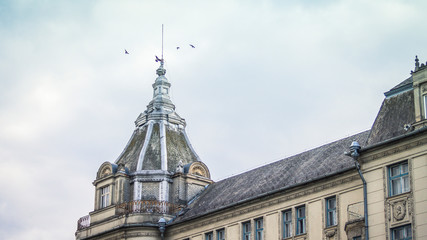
(267, 79)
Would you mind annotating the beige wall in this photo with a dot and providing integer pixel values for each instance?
(346, 187)
(381, 206)
(419, 179)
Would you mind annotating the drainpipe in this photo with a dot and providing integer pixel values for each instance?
(354, 153)
(162, 227)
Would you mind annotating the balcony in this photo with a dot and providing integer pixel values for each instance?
(83, 222)
(132, 207)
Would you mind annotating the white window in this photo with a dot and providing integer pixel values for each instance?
(331, 211)
(398, 178)
(209, 236)
(287, 223)
(246, 227)
(401, 233)
(220, 234)
(105, 196)
(259, 227)
(300, 220)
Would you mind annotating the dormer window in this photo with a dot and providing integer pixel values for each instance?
(105, 196)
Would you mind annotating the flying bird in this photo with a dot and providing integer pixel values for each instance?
(191, 45)
(158, 59)
(126, 52)
(177, 48)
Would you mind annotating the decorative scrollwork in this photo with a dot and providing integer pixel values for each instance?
(399, 210)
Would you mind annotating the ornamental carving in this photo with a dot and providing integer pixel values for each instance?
(199, 169)
(331, 233)
(399, 210)
(105, 172)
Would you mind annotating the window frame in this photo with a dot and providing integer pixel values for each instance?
(246, 235)
(259, 230)
(331, 212)
(105, 197)
(287, 231)
(222, 230)
(405, 228)
(401, 177)
(300, 219)
(209, 236)
(425, 106)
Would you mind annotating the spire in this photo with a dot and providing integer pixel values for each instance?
(161, 85)
(160, 107)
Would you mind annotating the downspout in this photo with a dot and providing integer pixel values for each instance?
(354, 153)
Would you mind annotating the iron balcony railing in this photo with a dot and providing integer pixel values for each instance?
(140, 206)
(83, 222)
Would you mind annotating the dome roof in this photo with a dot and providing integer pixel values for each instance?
(159, 141)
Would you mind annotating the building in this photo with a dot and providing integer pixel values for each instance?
(159, 189)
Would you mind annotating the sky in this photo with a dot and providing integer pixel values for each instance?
(266, 80)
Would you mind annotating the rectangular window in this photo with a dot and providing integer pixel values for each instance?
(398, 178)
(246, 228)
(300, 220)
(425, 106)
(287, 223)
(105, 196)
(401, 233)
(259, 226)
(331, 211)
(220, 234)
(209, 236)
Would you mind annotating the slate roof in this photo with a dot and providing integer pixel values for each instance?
(306, 167)
(176, 146)
(129, 156)
(395, 112)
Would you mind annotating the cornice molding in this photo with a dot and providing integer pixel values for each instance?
(377, 154)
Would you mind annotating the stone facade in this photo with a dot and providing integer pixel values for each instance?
(317, 194)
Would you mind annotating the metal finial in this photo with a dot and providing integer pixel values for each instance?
(417, 63)
(161, 71)
(162, 42)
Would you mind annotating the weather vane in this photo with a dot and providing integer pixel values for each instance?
(161, 60)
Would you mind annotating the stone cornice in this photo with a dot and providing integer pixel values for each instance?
(110, 176)
(373, 154)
